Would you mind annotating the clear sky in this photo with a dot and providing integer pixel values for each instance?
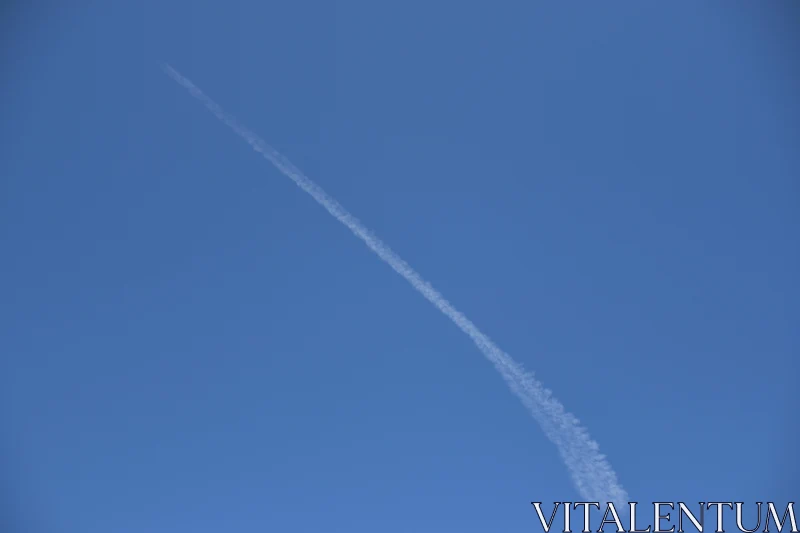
(189, 343)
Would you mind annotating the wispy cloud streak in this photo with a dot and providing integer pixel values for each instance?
(590, 471)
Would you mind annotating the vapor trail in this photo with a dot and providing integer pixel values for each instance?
(590, 471)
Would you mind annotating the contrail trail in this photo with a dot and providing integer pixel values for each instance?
(590, 471)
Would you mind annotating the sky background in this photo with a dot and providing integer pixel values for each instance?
(190, 343)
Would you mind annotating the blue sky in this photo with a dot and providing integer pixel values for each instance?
(190, 343)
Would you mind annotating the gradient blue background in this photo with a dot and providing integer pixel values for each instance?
(190, 343)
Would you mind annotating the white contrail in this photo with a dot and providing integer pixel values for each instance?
(591, 472)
